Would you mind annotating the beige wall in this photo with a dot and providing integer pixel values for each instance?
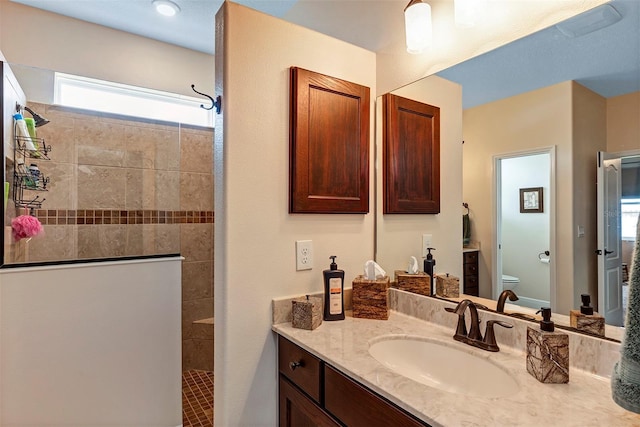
(400, 236)
(569, 117)
(37, 38)
(255, 235)
(589, 137)
(509, 21)
(623, 123)
(531, 121)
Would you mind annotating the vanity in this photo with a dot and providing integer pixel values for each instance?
(329, 376)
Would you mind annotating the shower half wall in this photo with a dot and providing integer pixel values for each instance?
(121, 186)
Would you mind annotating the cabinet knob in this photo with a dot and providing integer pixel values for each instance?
(294, 365)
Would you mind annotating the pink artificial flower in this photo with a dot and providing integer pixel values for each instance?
(24, 226)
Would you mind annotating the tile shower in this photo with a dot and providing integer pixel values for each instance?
(127, 187)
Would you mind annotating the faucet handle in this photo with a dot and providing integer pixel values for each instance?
(461, 329)
(489, 342)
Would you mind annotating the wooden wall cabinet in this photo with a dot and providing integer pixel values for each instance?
(329, 144)
(312, 393)
(411, 156)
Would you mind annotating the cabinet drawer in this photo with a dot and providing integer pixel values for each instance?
(470, 257)
(355, 406)
(300, 366)
(470, 270)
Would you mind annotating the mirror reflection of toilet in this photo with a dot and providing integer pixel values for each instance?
(509, 282)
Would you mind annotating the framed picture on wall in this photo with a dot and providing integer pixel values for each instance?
(531, 200)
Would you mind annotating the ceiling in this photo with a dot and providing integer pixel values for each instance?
(608, 60)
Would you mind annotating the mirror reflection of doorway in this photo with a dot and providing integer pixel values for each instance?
(618, 213)
(523, 258)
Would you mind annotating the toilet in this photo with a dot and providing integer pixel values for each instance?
(509, 282)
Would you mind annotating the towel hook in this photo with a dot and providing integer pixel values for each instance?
(466, 206)
(217, 103)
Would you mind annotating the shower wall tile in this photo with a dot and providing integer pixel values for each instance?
(103, 241)
(141, 147)
(61, 141)
(197, 280)
(141, 190)
(197, 354)
(101, 187)
(196, 191)
(55, 244)
(99, 143)
(196, 152)
(161, 238)
(195, 310)
(134, 245)
(168, 151)
(196, 241)
(167, 187)
(61, 179)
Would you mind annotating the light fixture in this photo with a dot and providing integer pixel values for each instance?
(468, 12)
(590, 21)
(417, 26)
(166, 7)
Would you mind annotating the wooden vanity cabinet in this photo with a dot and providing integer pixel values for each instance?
(339, 401)
(470, 260)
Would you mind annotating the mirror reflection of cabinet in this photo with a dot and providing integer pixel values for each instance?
(470, 259)
(411, 156)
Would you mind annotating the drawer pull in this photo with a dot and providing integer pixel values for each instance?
(294, 365)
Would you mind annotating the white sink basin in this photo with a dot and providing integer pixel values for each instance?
(443, 367)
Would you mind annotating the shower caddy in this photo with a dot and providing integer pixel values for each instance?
(25, 180)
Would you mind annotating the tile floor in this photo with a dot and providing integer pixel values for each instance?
(197, 398)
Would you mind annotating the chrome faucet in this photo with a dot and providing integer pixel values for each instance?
(474, 336)
(503, 297)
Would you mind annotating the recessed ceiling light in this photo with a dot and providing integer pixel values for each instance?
(166, 7)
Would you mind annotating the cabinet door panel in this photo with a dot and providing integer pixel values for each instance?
(411, 156)
(297, 410)
(356, 406)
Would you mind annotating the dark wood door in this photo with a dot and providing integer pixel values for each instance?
(411, 156)
(329, 144)
(297, 410)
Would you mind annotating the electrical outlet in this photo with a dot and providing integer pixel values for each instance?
(426, 243)
(304, 255)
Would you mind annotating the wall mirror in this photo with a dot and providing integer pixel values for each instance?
(575, 91)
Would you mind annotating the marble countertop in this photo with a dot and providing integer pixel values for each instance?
(585, 401)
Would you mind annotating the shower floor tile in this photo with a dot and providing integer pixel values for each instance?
(197, 398)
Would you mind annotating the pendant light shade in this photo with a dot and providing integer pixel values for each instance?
(417, 26)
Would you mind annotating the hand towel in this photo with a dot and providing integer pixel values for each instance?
(625, 380)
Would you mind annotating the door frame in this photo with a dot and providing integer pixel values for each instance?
(496, 267)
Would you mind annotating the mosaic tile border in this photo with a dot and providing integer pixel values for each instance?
(116, 216)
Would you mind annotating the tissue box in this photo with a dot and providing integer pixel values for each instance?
(591, 323)
(370, 298)
(306, 312)
(548, 356)
(447, 286)
(419, 283)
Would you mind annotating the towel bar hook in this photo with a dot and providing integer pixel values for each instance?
(217, 103)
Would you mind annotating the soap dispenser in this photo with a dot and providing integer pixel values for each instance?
(548, 351)
(333, 291)
(429, 264)
(586, 319)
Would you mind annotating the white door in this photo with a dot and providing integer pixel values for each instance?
(609, 250)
